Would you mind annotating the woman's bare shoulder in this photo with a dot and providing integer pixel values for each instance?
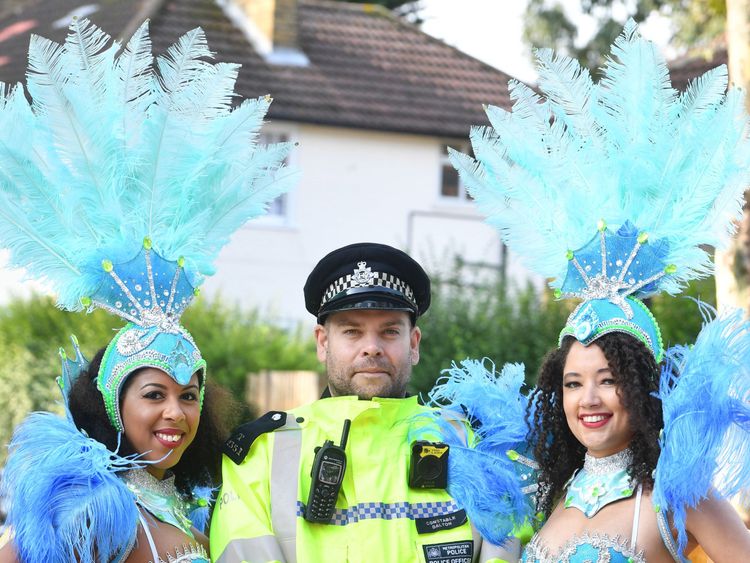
(8, 553)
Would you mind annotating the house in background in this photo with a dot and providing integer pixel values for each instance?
(372, 103)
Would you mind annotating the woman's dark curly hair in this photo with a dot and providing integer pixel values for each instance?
(200, 463)
(556, 449)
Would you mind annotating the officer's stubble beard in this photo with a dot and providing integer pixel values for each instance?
(341, 382)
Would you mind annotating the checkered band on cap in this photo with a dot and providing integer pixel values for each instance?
(365, 277)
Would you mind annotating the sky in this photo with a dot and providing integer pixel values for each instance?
(491, 30)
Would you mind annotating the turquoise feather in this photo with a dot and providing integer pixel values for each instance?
(484, 477)
(116, 147)
(629, 147)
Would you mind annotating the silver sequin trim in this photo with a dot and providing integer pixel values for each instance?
(666, 536)
(186, 553)
(537, 551)
(142, 479)
(610, 464)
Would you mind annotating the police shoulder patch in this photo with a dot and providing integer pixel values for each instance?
(238, 444)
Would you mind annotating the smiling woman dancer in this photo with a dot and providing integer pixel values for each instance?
(598, 403)
(118, 186)
(627, 181)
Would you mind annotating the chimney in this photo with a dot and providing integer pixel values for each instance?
(271, 26)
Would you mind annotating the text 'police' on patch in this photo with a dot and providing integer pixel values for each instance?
(453, 552)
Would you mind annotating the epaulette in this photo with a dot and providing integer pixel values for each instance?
(238, 444)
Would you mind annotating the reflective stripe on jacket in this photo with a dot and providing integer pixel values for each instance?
(258, 516)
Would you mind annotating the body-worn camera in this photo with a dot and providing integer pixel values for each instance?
(429, 465)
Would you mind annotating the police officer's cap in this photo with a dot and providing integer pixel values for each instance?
(367, 276)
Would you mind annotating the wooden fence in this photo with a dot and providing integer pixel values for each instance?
(283, 390)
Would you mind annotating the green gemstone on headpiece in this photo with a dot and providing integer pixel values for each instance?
(202, 502)
(512, 455)
(147, 243)
(86, 301)
(196, 291)
(601, 225)
(569, 255)
(62, 353)
(107, 265)
(181, 262)
(642, 238)
(657, 508)
(557, 293)
(539, 516)
(670, 269)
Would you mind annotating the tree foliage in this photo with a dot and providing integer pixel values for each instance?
(408, 9)
(233, 342)
(695, 24)
(493, 320)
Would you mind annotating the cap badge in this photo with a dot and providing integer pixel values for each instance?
(363, 275)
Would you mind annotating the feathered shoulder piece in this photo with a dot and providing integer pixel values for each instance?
(120, 157)
(613, 189)
(705, 444)
(66, 501)
(488, 475)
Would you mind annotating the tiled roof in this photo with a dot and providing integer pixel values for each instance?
(18, 20)
(367, 69)
(685, 69)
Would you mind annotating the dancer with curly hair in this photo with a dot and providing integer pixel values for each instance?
(613, 190)
(119, 185)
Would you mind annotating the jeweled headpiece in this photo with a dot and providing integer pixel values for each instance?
(122, 180)
(613, 189)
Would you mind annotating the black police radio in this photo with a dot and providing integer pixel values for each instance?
(327, 475)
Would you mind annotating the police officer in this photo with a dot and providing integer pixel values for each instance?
(366, 298)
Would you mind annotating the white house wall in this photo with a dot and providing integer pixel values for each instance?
(355, 186)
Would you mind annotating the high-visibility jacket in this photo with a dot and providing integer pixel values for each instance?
(258, 516)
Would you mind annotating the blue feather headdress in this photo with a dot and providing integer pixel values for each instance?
(613, 189)
(119, 184)
(123, 179)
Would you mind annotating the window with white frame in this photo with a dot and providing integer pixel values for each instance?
(451, 187)
(278, 209)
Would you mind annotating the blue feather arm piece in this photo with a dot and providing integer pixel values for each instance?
(705, 394)
(486, 474)
(67, 503)
(200, 509)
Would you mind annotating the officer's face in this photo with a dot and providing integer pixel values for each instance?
(368, 353)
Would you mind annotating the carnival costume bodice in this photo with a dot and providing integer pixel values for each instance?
(160, 499)
(600, 482)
